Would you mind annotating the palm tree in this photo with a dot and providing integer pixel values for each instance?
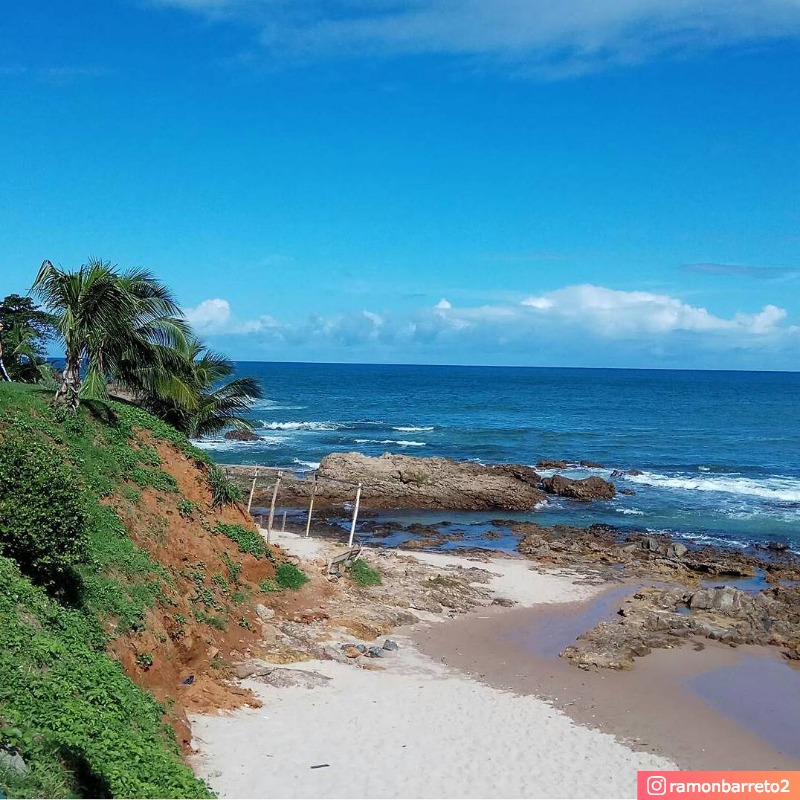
(119, 326)
(216, 405)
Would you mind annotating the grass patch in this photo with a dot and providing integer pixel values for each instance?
(249, 541)
(288, 576)
(362, 574)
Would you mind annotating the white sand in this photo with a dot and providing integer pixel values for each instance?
(414, 730)
(303, 546)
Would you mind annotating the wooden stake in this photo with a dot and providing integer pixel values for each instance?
(311, 505)
(272, 506)
(355, 516)
(252, 489)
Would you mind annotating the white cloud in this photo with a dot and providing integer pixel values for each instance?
(612, 312)
(550, 37)
(586, 324)
(210, 315)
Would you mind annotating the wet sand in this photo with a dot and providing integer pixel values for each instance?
(713, 708)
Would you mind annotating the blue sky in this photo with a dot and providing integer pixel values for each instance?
(432, 181)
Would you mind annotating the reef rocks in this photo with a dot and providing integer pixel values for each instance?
(662, 618)
(242, 435)
(593, 488)
(622, 555)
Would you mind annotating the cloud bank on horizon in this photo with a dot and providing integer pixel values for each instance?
(547, 38)
(590, 325)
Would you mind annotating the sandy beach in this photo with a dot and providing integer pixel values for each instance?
(416, 727)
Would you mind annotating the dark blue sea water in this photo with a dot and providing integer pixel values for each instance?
(719, 452)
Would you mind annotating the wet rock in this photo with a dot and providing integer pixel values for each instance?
(389, 644)
(552, 464)
(591, 465)
(627, 492)
(502, 601)
(375, 652)
(243, 435)
(593, 488)
(654, 618)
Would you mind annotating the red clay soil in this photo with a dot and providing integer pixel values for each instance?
(181, 647)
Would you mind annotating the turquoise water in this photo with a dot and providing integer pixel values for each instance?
(719, 452)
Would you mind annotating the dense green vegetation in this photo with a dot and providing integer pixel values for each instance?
(70, 578)
(82, 726)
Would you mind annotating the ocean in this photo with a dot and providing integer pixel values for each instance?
(718, 452)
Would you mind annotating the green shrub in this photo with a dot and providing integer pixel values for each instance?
(363, 574)
(249, 541)
(42, 515)
(289, 576)
(223, 491)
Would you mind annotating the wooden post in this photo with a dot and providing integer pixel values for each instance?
(311, 504)
(272, 506)
(252, 489)
(355, 516)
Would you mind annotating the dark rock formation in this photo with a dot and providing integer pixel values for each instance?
(593, 488)
(242, 435)
(551, 464)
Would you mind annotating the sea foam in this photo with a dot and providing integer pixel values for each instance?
(785, 490)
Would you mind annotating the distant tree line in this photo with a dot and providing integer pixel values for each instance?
(123, 336)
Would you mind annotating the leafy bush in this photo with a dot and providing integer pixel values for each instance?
(42, 515)
(83, 727)
(248, 541)
(290, 577)
(363, 574)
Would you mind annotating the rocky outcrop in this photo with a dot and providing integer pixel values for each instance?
(658, 618)
(242, 435)
(638, 554)
(396, 481)
(593, 488)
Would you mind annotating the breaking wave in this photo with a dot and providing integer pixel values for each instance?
(785, 490)
(398, 442)
(413, 428)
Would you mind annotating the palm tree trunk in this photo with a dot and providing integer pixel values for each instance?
(69, 389)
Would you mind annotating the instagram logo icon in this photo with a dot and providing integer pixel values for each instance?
(656, 785)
